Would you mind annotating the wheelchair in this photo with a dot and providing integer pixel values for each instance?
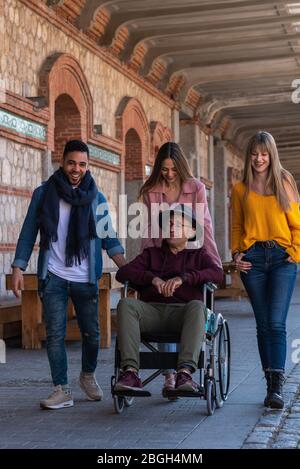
(213, 364)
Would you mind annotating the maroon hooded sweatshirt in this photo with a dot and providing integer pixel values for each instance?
(194, 266)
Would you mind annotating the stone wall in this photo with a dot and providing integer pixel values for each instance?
(26, 42)
(20, 167)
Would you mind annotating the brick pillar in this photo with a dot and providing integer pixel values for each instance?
(134, 173)
(221, 200)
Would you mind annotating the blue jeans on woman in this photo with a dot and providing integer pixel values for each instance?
(270, 283)
(54, 292)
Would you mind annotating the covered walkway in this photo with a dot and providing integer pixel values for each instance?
(151, 422)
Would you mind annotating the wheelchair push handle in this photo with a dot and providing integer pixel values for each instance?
(210, 286)
(208, 294)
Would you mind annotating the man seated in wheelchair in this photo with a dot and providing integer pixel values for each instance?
(169, 281)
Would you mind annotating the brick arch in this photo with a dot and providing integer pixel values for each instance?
(67, 124)
(133, 152)
(130, 114)
(159, 135)
(61, 74)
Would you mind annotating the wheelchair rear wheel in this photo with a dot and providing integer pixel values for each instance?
(219, 400)
(224, 360)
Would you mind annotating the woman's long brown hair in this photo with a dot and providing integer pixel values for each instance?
(168, 150)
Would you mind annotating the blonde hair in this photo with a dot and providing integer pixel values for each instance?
(277, 175)
(168, 150)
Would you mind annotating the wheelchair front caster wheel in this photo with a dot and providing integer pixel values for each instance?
(210, 396)
(119, 403)
(128, 401)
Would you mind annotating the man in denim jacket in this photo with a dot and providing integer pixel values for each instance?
(72, 218)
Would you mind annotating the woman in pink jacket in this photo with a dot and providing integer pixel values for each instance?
(171, 182)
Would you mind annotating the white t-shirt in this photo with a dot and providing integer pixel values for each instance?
(76, 273)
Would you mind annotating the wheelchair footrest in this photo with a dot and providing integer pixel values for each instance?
(178, 393)
(132, 393)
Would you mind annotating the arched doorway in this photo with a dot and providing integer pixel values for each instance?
(65, 89)
(67, 126)
(64, 86)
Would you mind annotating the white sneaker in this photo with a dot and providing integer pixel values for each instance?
(89, 385)
(58, 399)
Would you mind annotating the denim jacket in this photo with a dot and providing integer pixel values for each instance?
(30, 229)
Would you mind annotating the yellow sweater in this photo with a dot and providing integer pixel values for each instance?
(260, 218)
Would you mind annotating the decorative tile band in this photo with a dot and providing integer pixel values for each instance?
(104, 155)
(22, 126)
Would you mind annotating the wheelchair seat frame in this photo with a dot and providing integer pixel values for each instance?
(213, 364)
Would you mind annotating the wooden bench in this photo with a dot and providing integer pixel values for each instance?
(33, 328)
(236, 288)
(10, 318)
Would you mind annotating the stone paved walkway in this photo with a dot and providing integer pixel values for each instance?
(150, 422)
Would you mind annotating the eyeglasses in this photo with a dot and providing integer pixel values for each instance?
(180, 224)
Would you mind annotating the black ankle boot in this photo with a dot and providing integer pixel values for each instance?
(268, 379)
(276, 400)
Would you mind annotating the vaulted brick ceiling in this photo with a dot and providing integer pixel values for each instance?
(229, 63)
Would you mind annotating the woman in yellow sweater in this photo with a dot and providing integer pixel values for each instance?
(266, 248)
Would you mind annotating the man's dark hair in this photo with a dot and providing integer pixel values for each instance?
(76, 145)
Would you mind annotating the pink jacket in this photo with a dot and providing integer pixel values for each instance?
(193, 191)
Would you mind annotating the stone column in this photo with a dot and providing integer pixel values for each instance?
(221, 202)
(211, 177)
(47, 166)
(175, 125)
(122, 208)
(133, 245)
(189, 141)
(135, 156)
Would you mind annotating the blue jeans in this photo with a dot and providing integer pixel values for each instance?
(54, 292)
(270, 283)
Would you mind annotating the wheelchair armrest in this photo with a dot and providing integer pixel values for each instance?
(127, 286)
